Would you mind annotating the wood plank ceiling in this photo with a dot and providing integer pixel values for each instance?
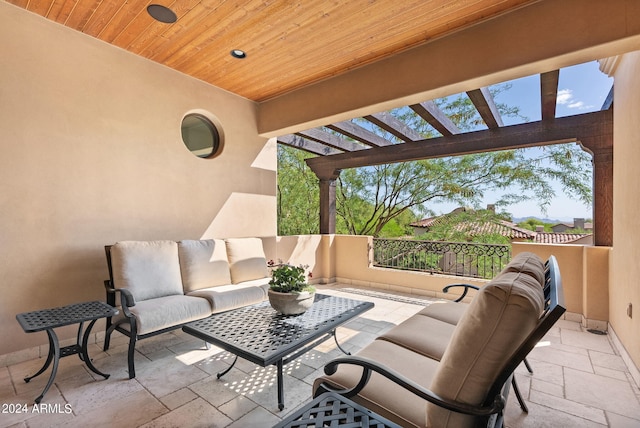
(289, 44)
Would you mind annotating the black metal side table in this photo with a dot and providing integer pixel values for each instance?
(48, 319)
(334, 410)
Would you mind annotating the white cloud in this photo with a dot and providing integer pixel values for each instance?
(565, 97)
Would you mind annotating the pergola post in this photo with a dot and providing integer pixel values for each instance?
(327, 206)
(601, 148)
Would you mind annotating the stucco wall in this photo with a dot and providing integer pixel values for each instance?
(91, 153)
(625, 269)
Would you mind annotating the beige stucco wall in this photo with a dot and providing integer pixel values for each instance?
(585, 279)
(91, 153)
(625, 269)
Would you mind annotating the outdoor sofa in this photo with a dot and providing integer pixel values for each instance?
(165, 284)
(456, 372)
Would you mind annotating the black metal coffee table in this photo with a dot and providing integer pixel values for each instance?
(259, 334)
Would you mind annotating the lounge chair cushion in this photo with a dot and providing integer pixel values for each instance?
(498, 319)
(381, 395)
(203, 264)
(527, 263)
(148, 269)
(164, 312)
(445, 311)
(424, 335)
(232, 296)
(246, 259)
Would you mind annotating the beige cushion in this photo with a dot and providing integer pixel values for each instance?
(203, 264)
(246, 259)
(148, 269)
(383, 396)
(448, 312)
(165, 312)
(497, 321)
(527, 263)
(232, 296)
(421, 334)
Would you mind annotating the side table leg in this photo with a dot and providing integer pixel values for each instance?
(53, 340)
(46, 363)
(280, 386)
(85, 352)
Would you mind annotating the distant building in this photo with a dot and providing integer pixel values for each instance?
(578, 223)
(511, 230)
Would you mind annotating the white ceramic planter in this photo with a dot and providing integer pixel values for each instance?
(291, 303)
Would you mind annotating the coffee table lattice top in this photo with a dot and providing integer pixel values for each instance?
(260, 331)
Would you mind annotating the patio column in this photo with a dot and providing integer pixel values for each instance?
(327, 206)
(601, 148)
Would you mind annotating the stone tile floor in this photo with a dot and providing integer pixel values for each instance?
(579, 380)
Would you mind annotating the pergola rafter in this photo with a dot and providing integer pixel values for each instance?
(361, 147)
(549, 93)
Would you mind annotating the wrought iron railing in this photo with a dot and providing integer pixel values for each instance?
(452, 258)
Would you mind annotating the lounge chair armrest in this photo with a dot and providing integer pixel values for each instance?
(467, 287)
(369, 365)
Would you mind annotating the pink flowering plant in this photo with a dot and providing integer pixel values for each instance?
(287, 278)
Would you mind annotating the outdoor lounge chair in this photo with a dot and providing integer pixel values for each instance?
(469, 385)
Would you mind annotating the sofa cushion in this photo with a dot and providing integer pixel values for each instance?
(421, 334)
(203, 264)
(165, 312)
(246, 259)
(232, 296)
(382, 396)
(499, 318)
(148, 269)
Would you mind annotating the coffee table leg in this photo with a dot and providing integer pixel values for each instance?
(333, 333)
(222, 373)
(280, 386)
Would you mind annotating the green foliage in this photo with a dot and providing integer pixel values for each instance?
(533, 223)
(298, 194)
(286, 278)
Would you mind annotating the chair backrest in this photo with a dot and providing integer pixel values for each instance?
(501, 326)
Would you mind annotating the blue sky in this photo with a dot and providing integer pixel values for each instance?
(581, 89)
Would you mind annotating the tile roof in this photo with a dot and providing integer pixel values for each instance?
(504, 228)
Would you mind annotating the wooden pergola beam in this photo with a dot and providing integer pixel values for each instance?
(435, 117)
(359, 133)
(394, 126)
(331, 140)
(561, 130)
(486, 106)
(549, 93)
(309, 146)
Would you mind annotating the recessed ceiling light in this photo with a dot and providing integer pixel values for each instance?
(162, 13)
(238, 53)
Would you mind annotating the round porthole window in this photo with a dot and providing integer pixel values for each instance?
(200, 135)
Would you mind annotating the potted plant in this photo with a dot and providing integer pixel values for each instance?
(289, 292)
